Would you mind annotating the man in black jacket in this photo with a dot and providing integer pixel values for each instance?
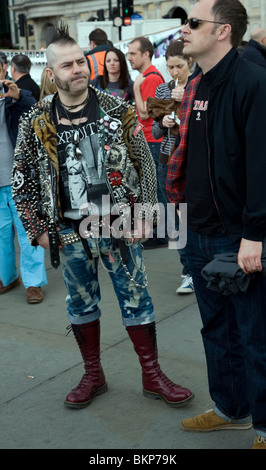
(13, 103)
(219, 170)
(256, 47)
(20, 71)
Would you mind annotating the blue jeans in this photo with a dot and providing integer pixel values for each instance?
(161, 192)
(81, 279)
(32, 267)
(162, 175)
(234, 335)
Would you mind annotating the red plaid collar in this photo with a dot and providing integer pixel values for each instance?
(176, 175)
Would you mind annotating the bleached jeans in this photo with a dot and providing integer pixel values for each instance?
(81, 279)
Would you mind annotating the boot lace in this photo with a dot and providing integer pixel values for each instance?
(165, 379)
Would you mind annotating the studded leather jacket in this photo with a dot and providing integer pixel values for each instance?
(36, 167)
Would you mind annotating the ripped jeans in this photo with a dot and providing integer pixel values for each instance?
(81, 279)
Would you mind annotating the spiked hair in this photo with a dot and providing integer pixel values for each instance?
(60, 37)
(61, 34)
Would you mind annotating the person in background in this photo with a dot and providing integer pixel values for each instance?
(179, 66)
(48, 88)
(255, 49)
(13, 103)
(140, 53)
(20, 66)
(98, 46)
(115, 79)
(218, 170)
(6, 65)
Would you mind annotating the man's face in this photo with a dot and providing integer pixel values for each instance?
(135, 56)
(198, 42)
(70, 69)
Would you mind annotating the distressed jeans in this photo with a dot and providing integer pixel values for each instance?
(81, 279)
(234, 335)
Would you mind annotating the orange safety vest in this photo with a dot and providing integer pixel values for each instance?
(96, 61)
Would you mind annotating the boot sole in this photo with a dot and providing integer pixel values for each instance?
(172, 404)
(99, 391)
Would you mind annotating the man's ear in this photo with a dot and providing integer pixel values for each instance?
(50, 74)
(225, 31)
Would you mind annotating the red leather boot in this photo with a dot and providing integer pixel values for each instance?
(93, 381)
(155, 383)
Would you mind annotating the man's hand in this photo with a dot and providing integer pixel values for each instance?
(43, 240)
(249, 256)
(13, 90)
(143, 230)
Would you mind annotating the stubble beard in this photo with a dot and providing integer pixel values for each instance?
(66, 86)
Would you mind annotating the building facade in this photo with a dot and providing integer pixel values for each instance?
(31, 21)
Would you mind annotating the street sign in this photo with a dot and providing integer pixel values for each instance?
(118, 21)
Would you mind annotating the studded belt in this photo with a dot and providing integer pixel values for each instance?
(69, 238)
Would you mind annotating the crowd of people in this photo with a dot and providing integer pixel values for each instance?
(116, 150)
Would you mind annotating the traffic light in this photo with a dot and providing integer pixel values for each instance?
(22, 24)
(127, 11)
(30, 30)
(100, 15)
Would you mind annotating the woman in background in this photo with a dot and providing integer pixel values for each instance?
(179, 67)
(115, 80)
(48, 88)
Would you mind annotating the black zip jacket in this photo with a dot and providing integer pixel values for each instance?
(237, 138)
(236, 134)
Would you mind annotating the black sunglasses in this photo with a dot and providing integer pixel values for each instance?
(194, 23)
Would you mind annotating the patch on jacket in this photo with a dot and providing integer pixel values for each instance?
(46, 132)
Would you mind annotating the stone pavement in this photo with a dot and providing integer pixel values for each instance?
(40, 364)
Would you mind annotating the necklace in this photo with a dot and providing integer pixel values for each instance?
(74, 106)
(76, 137)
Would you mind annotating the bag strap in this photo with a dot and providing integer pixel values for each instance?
(154, 73)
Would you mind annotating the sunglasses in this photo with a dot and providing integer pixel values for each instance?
(194, 23)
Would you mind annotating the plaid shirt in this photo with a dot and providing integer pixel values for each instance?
(176, 175)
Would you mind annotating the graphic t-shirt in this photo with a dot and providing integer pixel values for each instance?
(113, 88)
(82, 180)
(202, 214)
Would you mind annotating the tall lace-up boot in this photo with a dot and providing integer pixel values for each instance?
(93, 381)
(155, 383)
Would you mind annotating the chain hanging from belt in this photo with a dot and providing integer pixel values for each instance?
(119, 243)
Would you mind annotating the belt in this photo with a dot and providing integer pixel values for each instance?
(69, 238)
(73, 237)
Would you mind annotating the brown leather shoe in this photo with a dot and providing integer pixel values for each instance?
(259, 443)
(5, 289)
(210, 421)
(34, 295)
